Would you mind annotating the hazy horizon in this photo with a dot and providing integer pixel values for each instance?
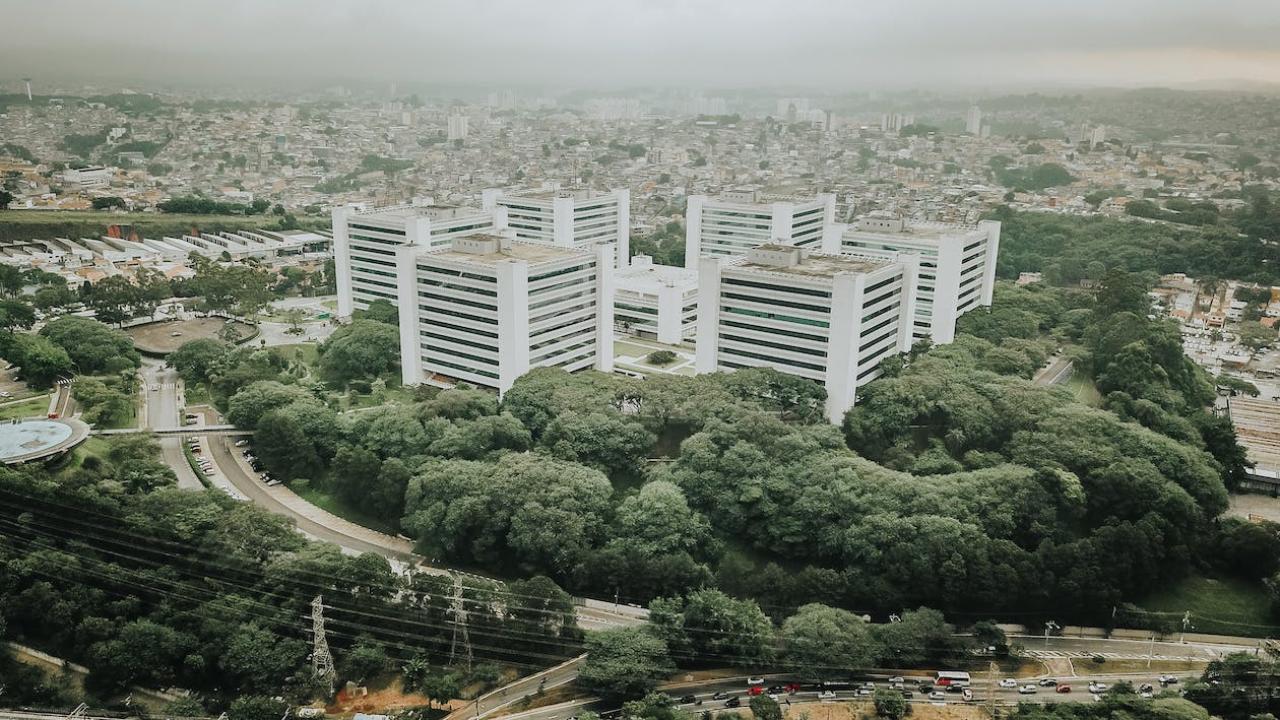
(802, 43)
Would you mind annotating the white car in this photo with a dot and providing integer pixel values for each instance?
(755, 681)
(967, 694)
(1008, 683)
(1028, 690)
(827, 695)
(1097, 687)
(241, 443)
(5, 393)
(865, 691)
(896, 679)
(155, 388)
(938, 695)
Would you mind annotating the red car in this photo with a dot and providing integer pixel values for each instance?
(755, 690)
(1063, 689)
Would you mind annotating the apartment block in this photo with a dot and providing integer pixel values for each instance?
(487, 309)
(365, 242)
(735, 221)
(828, 317)
(568, 218)
(657, 302)
(957, 265)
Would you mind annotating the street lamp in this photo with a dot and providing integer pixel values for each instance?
(1048, 627)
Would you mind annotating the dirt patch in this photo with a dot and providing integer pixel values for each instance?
(857, 710)
(377, 700)
(162, 338)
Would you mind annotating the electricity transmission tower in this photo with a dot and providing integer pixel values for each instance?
(321, 659)
(459, 613)
(992, 669)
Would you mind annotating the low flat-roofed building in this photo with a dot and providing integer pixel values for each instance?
(1257, 425)
(659, 302)
(487, 309)
(830, 318)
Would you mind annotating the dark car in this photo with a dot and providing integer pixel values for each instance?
(688, 699)
(720, 695)
(733, 702)
(955, 689)
(776, 689)
(925, 688)
(908, 694)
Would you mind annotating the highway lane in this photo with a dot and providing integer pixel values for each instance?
(714, 695)
(162, 411)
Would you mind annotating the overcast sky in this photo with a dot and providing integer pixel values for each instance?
(834, 44)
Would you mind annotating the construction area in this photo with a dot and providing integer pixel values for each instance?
(1258, 429)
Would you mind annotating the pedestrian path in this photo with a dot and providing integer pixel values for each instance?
(1055, 654)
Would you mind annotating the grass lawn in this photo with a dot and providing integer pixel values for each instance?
(306, 353)
(336, 505)
(1220, 606)
(1084, 389)
(31, 407)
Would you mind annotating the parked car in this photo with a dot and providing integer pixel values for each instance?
(241, 443)
(688, 699)
(1028, 690)
(967, 694)
(1008, 683)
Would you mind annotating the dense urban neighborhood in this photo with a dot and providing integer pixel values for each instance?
(392, 399)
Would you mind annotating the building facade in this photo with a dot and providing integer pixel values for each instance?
(570, 218)
(487, 309)
(365, 244)
(736, 221)
(658, 302)
(957, 265)
(827, 317)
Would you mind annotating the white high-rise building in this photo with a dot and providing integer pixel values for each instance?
(957, 265)
(571, 218)
(973, 122)
(365, 243)
(829, 318)
(658, 302)
(458, 127)
(737, 220)
(487, 309)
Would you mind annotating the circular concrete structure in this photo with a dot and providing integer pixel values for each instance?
(26, 440)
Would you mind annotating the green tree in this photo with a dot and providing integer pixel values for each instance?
(820, 642)
(365, 660)
(363, 349)
(890, 704)
(196, 360)
(379, 310)
(623, 664)
(764, 707)
(92, 346)
(256, 707)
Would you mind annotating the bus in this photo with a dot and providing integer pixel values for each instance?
(952, 678)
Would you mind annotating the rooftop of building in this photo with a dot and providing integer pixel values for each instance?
(548, 194)
(643, 276)
(884, 225)
(790, 260)
(489, 250)
(425, 208)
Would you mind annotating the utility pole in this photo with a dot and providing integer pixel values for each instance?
(321, 659)
(459, 612)
(79, 712)
(992, 668)
(1186, 625)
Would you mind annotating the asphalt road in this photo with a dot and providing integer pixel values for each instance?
(705, 692)
(162, 411)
